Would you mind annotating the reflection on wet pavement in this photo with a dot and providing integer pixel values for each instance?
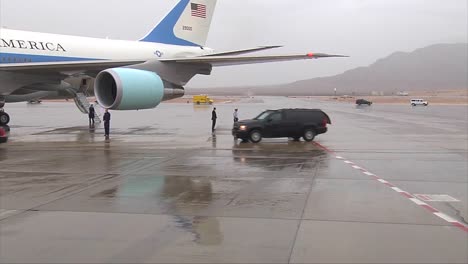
(172, 192)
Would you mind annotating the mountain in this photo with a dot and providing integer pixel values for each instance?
(437, 67)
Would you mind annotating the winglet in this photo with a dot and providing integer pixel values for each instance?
(324, 55)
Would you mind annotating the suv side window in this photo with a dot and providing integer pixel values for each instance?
(275, 117)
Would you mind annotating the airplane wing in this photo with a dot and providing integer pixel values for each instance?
(242, 51)
(219, 59)
(240, 60)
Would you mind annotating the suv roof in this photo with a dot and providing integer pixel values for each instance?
(296, 109)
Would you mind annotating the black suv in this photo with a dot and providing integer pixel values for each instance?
(294, 123)
(363, 101)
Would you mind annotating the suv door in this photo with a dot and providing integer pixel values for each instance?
(273, 125)
(290, 125)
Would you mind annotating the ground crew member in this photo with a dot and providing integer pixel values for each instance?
(91, 114)
(236, 115)
(107, 118)
(214, 116)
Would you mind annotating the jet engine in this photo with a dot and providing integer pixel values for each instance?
(132, 89)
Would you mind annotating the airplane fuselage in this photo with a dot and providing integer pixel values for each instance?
(32, 47)
(125, 75)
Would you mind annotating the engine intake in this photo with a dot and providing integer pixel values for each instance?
(128, 89)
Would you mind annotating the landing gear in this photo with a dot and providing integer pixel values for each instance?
(4, 117)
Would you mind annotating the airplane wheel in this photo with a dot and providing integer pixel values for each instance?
(4, 118)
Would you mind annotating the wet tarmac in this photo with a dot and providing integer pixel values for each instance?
(163, 189)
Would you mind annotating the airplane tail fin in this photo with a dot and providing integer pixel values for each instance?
(187, 24)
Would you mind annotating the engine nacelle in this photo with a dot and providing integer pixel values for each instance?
(128, 89)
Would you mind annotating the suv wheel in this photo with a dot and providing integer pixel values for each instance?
(413, 104)
(255, 136)
(309, 134)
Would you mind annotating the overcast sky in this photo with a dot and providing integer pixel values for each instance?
(364, 29)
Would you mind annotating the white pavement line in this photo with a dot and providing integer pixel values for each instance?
(441, 215)
(446, 217)
(417, 201)
(396, 189)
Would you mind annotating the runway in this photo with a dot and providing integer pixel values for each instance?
(386, 184)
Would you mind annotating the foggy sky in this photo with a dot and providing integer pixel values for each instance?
(364, 29)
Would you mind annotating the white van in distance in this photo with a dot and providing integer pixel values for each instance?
(415, 102)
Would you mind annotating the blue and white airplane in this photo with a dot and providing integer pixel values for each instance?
(123, 75)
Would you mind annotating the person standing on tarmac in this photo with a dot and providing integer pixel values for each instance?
(107, 118)
(214, 116)
(91, 115)
(236, 115)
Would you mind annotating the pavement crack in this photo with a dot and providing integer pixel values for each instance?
(303, 211)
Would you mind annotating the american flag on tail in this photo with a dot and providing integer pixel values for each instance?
(198, 10)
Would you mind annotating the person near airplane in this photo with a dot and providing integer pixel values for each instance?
(236, 115)
(107, 118)
(214, 116)
(91, 115)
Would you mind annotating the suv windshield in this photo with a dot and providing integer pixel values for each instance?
(263, 115)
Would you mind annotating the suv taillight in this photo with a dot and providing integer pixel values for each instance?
(2, 132)
(325, 122)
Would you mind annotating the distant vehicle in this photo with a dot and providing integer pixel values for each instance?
(34, 102)
(415, 102)
(363, 101)
(202, 99)
(402, 93)
(4, 132)
(294, 123)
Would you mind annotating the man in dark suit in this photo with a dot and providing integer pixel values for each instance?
(214, 116)
(91, 115)
(107, 118)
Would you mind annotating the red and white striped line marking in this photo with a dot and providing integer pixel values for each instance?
(406, 194)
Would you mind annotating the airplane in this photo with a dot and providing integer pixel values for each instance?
(123, 75)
